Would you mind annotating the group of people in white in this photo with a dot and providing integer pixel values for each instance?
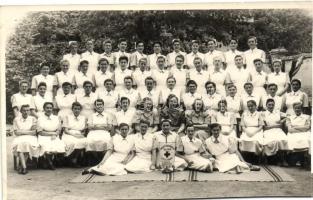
(217, 108)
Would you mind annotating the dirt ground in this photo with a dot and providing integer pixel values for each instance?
(54, 185)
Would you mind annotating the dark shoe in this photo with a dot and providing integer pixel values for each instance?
(85, 171)
(24, 171)
(255, 168)
(20, 170)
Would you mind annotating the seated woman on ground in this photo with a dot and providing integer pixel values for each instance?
(200, 119)
(225, 152)
(165, 138)
(251, 139)
(174, 113)
(48, 129)
(141, 159)
(194, 153)
(117, 154)
(25, 143)
(75, 126)
(101, 127)
(299, 126)
(148, 114)
(275, 140)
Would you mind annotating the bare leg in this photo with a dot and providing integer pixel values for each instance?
(22, 159)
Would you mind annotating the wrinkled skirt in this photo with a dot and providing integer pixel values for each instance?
(97, 140)
(49, 145)
(72, 143)
(274, 140)
(26, 144)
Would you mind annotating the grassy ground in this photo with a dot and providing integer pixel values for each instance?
(45, 184)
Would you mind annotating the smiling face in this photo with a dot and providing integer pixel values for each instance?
(64, 66)
(42, 90)
(128, 83)
(45, 70)
(173, 102)
(211, 45)
(124, 130)
(157, 48)
(108, 85)
(195, 47)
(124, 104)
(99, 106)
(23, 88)
(295, 86)
(140, 47)
(198, 105)
(88, 88)
(48, 109)
(171, 83)
(148, 105)
(233, 45)
(107, 47)
(192, 88)
(251, 106)
(277, 67)
(76, 110)
(122, 46)
(270, 106)
(216, 131)
(252, 43)
(176, 46)
(179, 62)
(210, 89)
(103, 66)
(123, 64)
(166, 127)
(222, 107)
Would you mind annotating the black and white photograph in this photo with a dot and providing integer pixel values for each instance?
(186, 101)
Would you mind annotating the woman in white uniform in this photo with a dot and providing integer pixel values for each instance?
(21, 98)
(75, 126)
(142, 159)
(160, 74)
(25, 144)
(80, 77)
(251, 139)
(103, 74)
(101, 127)
(275, 140)
(109, 96)
(226, 119)
(225, 152)
(189, 97)
(120, 73)
(64, 101)
(117, 155)
(296, 96)
(45, 77)
(194, 152)
(171, 89)
(48, 129)
(281, 79)
(211, 98)
(38, 100)
(87, 99)
(219, 76)
(179, 73)
(299, 133)
(130, 93)
(258, 77)
(140, 74)
(199, 75)
(65, 75)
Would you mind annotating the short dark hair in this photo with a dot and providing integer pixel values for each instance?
(270, 100)
(122, 125)
(42, 84)
(296, 80)
(123, 58)
(47, 103)
(192, 82)
(83, 62)
(125, 98)
(103, 60)
(87, 82)
(76, 104)
(66, 84)
(24, 106)
(210, 82)
(99, 100)
(213, 125)
(180, 56)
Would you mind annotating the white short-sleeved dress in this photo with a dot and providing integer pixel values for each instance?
(143, 148)
(221, 148)
(192, 149)
(211, 101)
(279, 101)
(234, 105)
(160, 77)
(119, 78)
(110, 99)
(99, 78)
(125, 116)
(200, 77)
(274, 139)
(281, 80)
(258, 79)
(159, 137)
(132, 95)
(251, 143)
(74, 60)
(299, 140)
(92, 58)
(25, 143)
(220, 78)
(75, 125)
(180, 76)
(19, 99)
(97, 140)
(296, 97)
(189, 99)
(245, 97)
(140, 77)
(239, 76)
(190, 58)
(121, 147)
(51, 144)
(165, 92)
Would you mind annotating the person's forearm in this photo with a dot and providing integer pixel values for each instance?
(201, 126)
(24, 132)
(302, 128)
(268, 127)
(182, 156)
(47, 133)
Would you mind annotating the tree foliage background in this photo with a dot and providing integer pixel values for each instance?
(44, 36)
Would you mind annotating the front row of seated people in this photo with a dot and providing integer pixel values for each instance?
(204, 139)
